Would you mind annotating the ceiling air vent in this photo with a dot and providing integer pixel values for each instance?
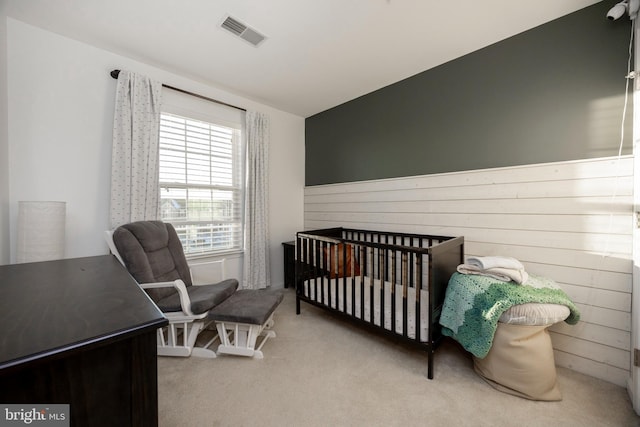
(242, 31)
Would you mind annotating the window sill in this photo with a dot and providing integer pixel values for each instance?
(220, 254)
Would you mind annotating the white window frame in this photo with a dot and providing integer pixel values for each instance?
(204, 237)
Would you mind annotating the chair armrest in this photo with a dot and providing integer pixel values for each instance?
(185, 301)
(108, 236)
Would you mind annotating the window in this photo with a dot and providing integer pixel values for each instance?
(201, 190)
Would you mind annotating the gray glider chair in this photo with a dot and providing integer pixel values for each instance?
(152, 253)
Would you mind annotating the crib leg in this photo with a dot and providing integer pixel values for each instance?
(297, 305)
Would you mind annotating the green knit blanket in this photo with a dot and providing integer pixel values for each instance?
(474, 303)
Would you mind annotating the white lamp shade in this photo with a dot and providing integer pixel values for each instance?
(41, 233)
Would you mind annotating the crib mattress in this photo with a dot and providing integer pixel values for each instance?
(372, 286)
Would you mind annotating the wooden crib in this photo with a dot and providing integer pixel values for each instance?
(393, 282)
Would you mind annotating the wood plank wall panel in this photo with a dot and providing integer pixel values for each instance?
(572, 221)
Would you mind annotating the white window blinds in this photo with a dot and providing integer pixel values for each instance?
(201, 191)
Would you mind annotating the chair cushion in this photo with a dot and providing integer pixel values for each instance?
(152, 252)
(247, 306)
(202, 297)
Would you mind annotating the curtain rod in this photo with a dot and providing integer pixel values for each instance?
(115, 74)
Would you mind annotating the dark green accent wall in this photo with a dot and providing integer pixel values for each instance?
(553, 93)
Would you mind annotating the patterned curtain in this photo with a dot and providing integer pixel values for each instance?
(134, 156)
(256, 255)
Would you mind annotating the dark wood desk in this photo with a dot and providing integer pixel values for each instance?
(81, 332)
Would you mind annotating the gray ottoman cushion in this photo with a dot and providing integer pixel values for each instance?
(202, 297)
(247, 306)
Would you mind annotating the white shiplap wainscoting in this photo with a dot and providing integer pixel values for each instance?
(571, 221)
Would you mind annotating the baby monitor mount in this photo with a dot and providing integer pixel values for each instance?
(627, 6)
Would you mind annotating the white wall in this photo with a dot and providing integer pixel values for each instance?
(571, 221)
(4, 143)
(60, 109)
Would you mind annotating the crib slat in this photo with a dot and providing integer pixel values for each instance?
(331, 253)
(350, 280)
(363, 257)
(405, 276)
(318, 266)
(393, 289)
(371, 293)
(418, 288)
(382, 285)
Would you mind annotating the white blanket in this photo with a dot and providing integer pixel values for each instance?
(486, 262)
(506, 269)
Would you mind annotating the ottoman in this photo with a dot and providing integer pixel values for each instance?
(242, 318)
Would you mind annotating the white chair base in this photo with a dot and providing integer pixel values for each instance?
(240, 339)
(178, 339)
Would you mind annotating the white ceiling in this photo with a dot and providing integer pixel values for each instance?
(319, 53)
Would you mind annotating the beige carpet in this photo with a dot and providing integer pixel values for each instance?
(324, 371)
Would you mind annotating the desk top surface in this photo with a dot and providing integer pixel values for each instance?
(52, 307)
